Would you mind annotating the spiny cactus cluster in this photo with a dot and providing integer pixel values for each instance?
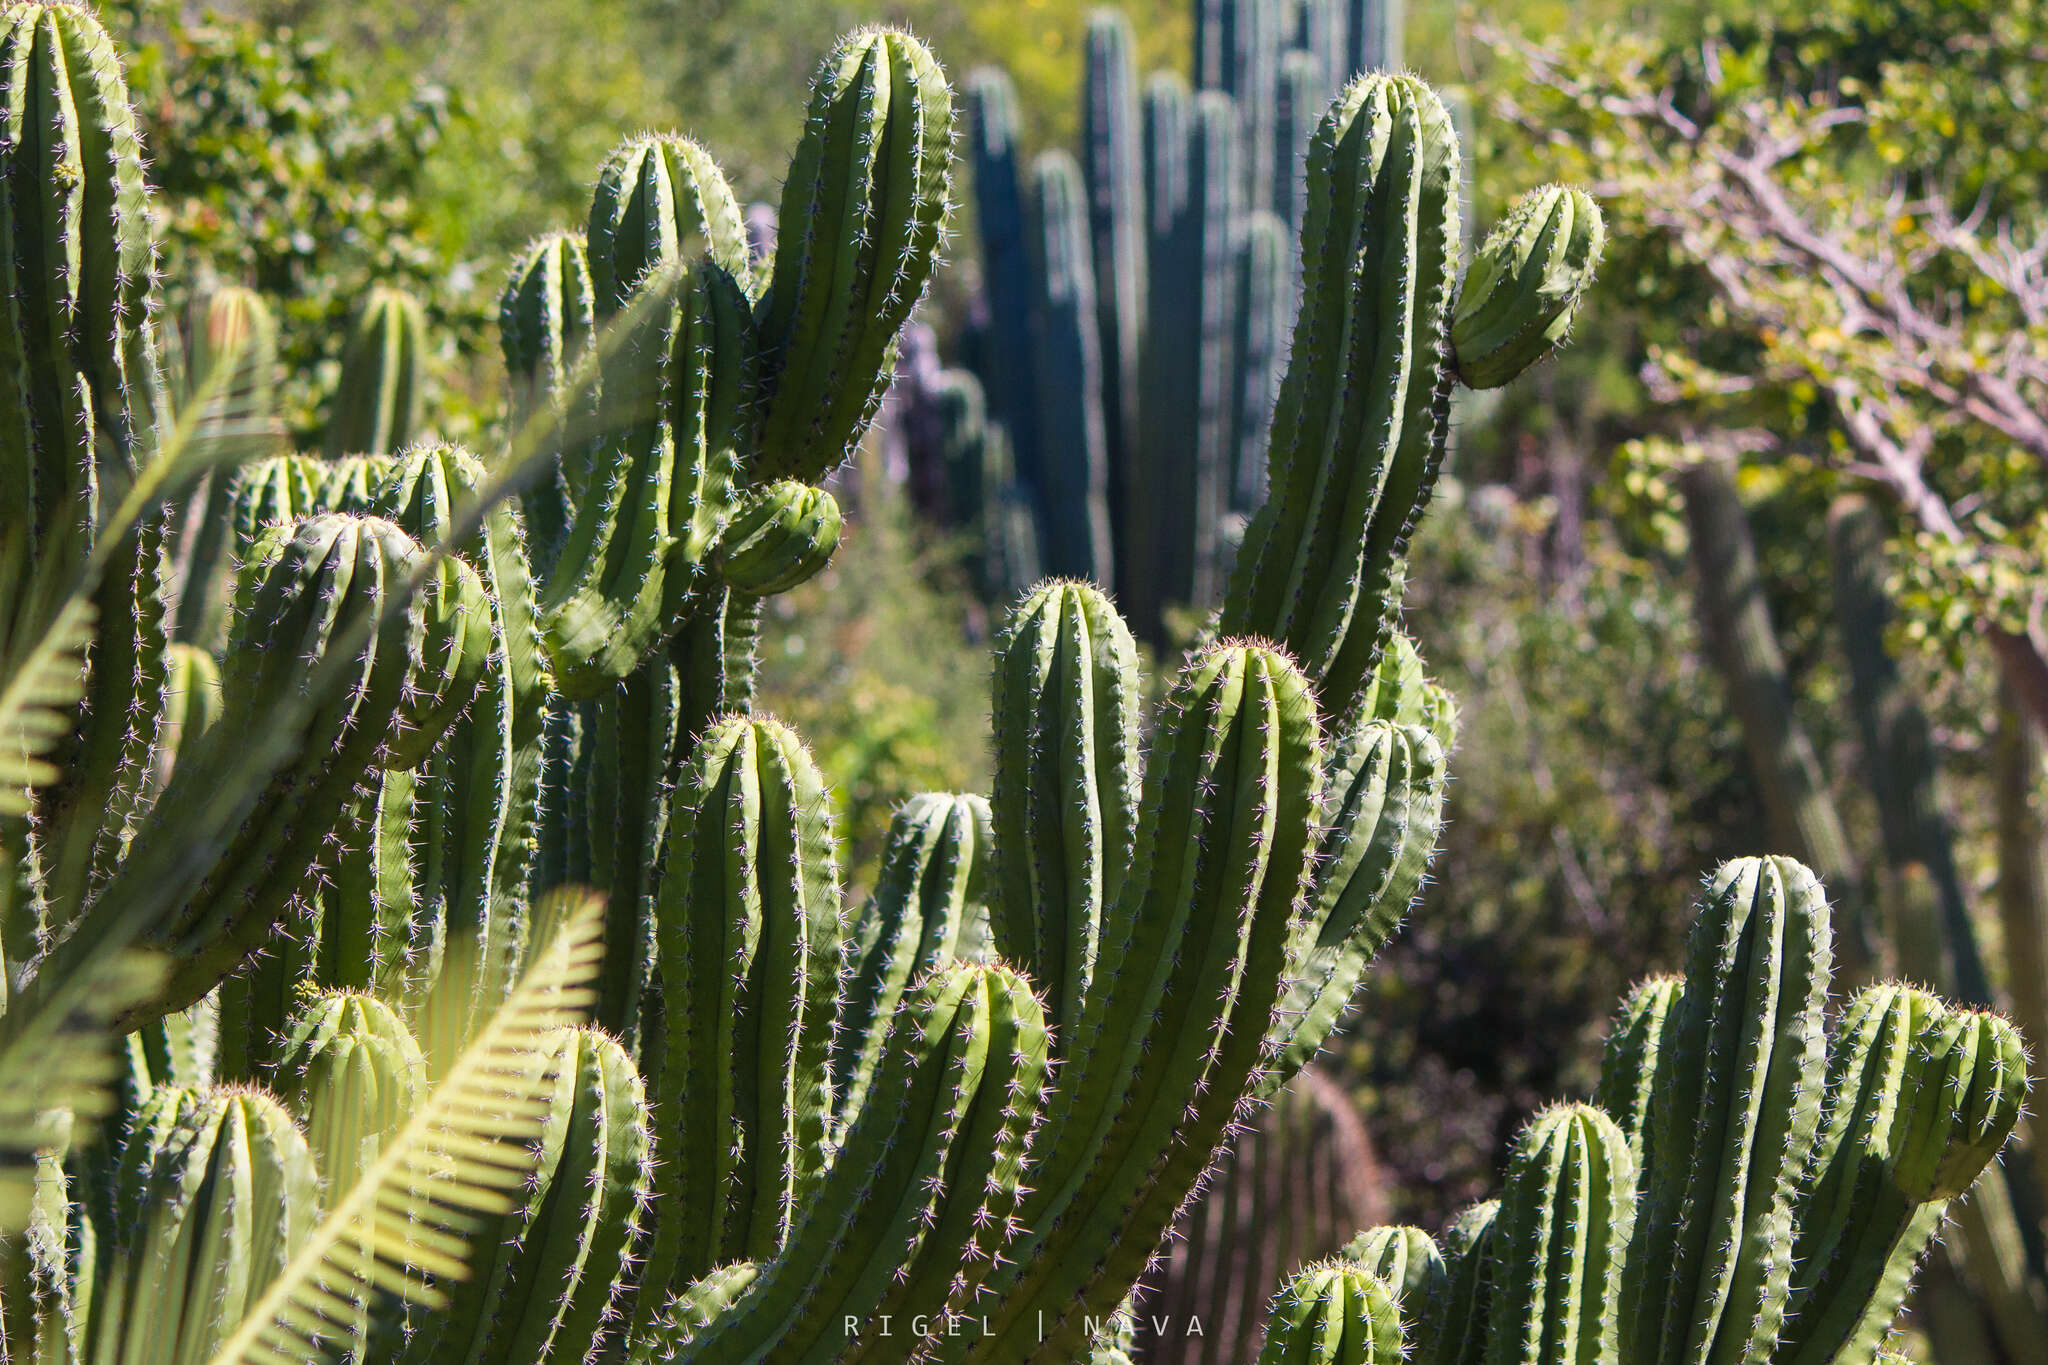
(1755, 1181)
(356, 1107)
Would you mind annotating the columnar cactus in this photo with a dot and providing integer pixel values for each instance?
(377, 405)
(1191, 286)
(1763, 1189)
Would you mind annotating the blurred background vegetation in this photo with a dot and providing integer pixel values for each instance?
(310, 148)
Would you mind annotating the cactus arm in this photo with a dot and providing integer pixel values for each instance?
(1714, 1233)
(923, 914)
(1382, 808)
(1069, 371)
(329, 577)
(577, 1243)
(863, 211)
(1111, 159)
(1453, 1327)
(1191, 950)
(1635, 1073)
(1334, 1313)
(932, 1175)
(351, 1072)
(377, 402)
(1357, 431)
(1405, 1258)
(749, 944)
(1518, 299)
(1066, 785)
(1565, 1223)
(546, 315)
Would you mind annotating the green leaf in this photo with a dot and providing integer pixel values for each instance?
(468, 1150)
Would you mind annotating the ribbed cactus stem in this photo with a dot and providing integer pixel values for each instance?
(216, 1190)
(547, 314)
(1635, 1075)
(1112, 159)
(930, 908)
(749, 942)
(583, 1226)
(81, 391)
(351, 1073)
(923, 1202)
(1455, 1332)
(1564, 1236)
(1066, 788)
(863, 212)
(1359, 426)
(1518, 300)
(1196, 942)
(305, 589)
(1709, 1274)
(1069, 375)
(1335, 1313)
(377, 404)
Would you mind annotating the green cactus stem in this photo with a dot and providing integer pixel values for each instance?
(1066, 788)
(749, 940)
(1746, 1086)
(547, 314)
(863, 212)
(1358, 429)
(1564, 1234)
(1069, 374)
(929, 908)
(351, 1073)
(216, 1190)
(378, 402)
(1335, 1313)
(781, 536)
(301, 591)
(1524, 287)
(926, 1188)
(1195, 942)
(82, 396)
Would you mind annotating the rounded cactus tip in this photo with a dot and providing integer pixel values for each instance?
(1968, 1094)
(1524, 287)
(782, 535)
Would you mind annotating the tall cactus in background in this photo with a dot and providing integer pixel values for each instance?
(1064, 323)
(1191, 286)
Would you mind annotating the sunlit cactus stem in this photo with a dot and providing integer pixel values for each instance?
(1525, 284)
(863, 212)
(377, 405)
(1335, 1313)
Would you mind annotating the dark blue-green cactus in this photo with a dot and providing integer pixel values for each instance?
(1068, 368)
(377, 403)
